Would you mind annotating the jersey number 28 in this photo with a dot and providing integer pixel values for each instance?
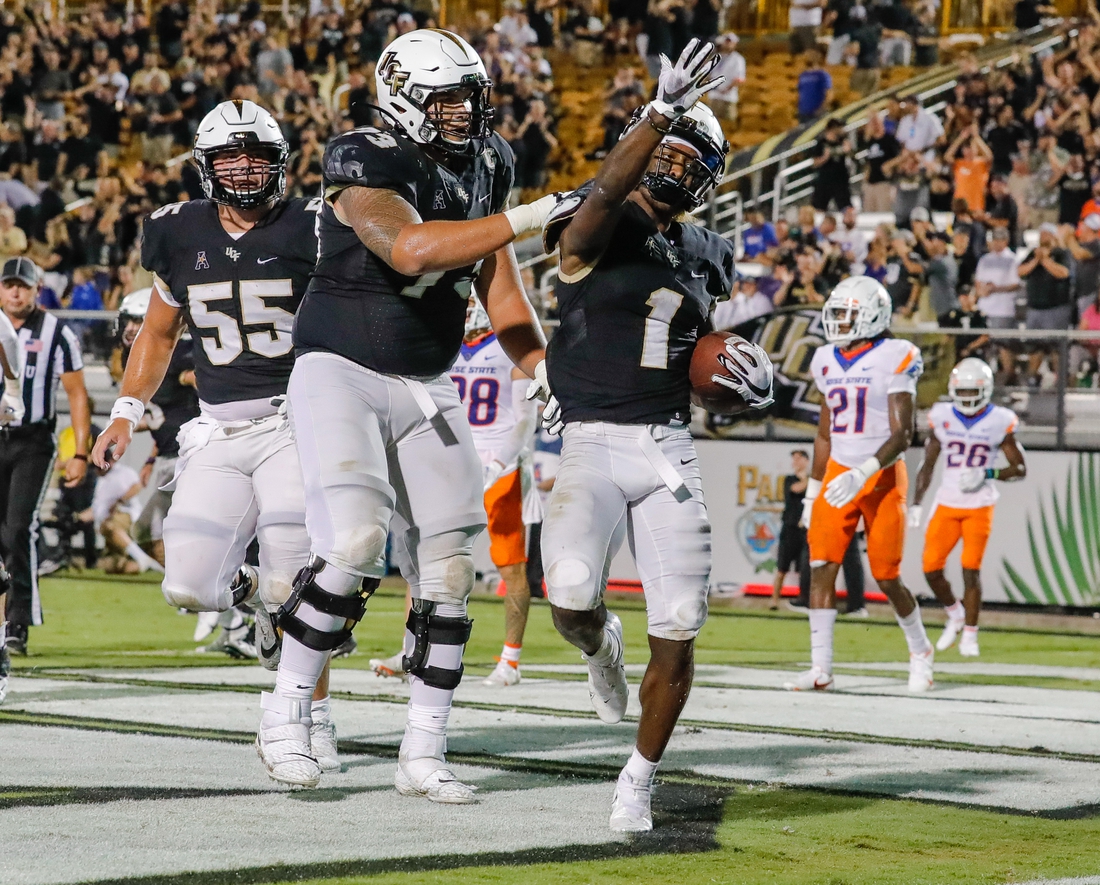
(482, 404)
(231, 339)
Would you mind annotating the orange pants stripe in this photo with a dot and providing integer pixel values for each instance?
(881, 503)
(507, 534)
(947, 526)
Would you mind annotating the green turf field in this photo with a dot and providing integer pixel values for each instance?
(721, 832)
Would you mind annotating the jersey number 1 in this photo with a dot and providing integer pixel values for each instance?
(663, 304)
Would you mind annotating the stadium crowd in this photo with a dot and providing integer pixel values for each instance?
(988, 218)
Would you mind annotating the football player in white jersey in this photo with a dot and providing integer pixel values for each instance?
(970, 430)
(502, 421)
(868, 381)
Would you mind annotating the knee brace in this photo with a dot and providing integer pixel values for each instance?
(350, 608)
(429, 629)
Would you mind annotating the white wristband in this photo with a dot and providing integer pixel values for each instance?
(813, 487)
(522, 218)
(871, 466)
(13, 387)
(129, 408)
(665, 109)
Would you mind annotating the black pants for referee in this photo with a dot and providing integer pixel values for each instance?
(26, 458)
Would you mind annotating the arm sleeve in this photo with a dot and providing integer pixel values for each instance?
(525, 411)
(9, 340)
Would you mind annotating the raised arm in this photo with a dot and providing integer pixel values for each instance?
(678, 88)
(145, 371)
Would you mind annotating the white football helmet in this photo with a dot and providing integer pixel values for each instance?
(132, 310)
(858, 308)
(231, 128)
(971, 385)
(477, 320)
(680, 179)
(422, 71)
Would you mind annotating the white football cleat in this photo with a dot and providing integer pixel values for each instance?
(968, 645)
(920, 671)
(607, 682)
(429, 776)
(285, 749)
(322, 741)
(389, 666)
(503, 674)
(814, 679)
(233, 641)
(630, 808)
(206, 623)
(951, 630)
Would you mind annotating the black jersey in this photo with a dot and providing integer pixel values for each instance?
(238, 295)
(174, 404)
(629, 325)
(359, 307)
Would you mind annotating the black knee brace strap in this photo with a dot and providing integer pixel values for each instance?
(305, 589)
(430, 629)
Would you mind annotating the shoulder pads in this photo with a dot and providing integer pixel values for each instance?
(369, 157)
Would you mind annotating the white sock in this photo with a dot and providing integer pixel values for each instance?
(822, 622)
(290, 685)
(970, 631)
(913, 628)
(511, 654)
(955, 611)
(143, 559)
(639, 769)
(430, 707)
(603, 655)
(230, 619)
(320, 710)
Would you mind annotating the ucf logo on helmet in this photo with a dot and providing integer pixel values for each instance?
(392, 75)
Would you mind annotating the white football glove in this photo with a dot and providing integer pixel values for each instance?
(752, 373)
(551, 411)
(813, 487)
(679, 86)
(11, 402)
(280, 404)
(971, 479)
(493, 472)
(916, 511)
(844, 488)
(532, 216)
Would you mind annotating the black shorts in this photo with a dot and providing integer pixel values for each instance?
(791, 542)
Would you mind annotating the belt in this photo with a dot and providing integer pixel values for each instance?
(25, 431)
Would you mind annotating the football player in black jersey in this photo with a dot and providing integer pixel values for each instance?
(232, 269)
(412, 222)
(637, 283)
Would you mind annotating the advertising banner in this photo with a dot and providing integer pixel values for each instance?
(1044, 548)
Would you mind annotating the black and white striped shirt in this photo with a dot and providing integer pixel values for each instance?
(50, 349)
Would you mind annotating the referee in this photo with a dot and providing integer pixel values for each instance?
(51, 352)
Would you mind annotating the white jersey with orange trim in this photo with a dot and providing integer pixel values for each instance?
(857, 385)
(969, 441)
(483, 375)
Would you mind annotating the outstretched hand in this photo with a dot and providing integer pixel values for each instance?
(679, 86)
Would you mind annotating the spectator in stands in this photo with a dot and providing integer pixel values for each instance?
(918, 130)
(13, 240)
(900, 27)
(1073, 189)
(1047, 275)
(942, 273)
(904, 273)
(830, 159)
(864, 48)
(815, 88)
(804, 285)
(1092, 207)
(1083, 244)
(622, 98)
(537, 137)
(804, 18)
(162, 112)
(997, 284)
(1029, 13)
(849, 238)
(723, 100)
(965, 259)
(909, 176)
(965, 220)
(746, 303)
(881, 147)
(971, 161)
(1044, 164)
(926, 42)
(52, 85)
(1002, 210)
(759, 239)
(1004, 139)
(966, 316)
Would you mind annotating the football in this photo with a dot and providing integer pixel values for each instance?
(706, 362)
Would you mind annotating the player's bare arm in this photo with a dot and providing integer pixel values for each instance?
(901, 428)
(393, 230)
(515, 323)
(145, 371)
(823, 447)
(81, 416)
(1017, 466)
(927, 469)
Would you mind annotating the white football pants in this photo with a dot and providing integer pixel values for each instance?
(244, 481)
(382, 453)
(644, 482)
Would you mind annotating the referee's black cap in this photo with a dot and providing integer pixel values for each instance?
(22, 269)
